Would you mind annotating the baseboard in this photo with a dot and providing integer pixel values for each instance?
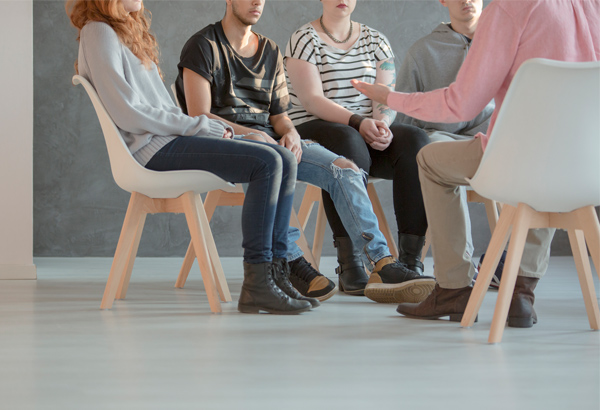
(15, 272)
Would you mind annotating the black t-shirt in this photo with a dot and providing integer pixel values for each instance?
(244, 90)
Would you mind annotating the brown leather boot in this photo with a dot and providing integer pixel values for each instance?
(440, 302)
(521, 312)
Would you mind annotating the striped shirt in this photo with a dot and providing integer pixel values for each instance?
(337, 67)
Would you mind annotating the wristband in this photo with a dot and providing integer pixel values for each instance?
(355, 121)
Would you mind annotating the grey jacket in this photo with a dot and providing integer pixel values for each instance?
(431, 63)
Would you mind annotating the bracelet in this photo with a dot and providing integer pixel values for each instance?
(355, 121)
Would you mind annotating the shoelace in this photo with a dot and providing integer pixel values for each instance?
(304, 270)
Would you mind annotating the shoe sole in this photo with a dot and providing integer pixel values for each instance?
(325, 296)
(522, 322)
(258, 309)
(452, 317)
(412, 291)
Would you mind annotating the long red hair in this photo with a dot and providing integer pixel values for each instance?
(133, 29)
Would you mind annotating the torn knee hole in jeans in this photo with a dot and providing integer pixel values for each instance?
(346, 168)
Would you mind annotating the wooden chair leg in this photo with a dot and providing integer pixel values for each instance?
(210, 204)
(426, 246)
(319, 236)
(491, 210)
(494, 251)
(220, 279)
(509, 274)
(193, 210)
(302, 241)
(588, 220)
(124, 285)
(382, 220)
(584, 271)
(135, 211)
(188, 261)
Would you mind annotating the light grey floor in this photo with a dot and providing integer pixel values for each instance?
(161, 348)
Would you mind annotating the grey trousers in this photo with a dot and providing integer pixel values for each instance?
(443, 167)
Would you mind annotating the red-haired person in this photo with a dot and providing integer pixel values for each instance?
(119, 55)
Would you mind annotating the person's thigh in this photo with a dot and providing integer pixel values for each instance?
(338, 138)
(449, 163)
(232, 160)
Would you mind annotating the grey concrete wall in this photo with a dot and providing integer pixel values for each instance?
(78, 209)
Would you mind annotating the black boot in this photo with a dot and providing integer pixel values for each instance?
(521, 312)
(352, 275)
(281, 274)
(259, 292)
(409, 249)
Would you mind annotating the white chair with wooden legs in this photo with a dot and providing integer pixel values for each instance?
(157, 192)
(548, 132)
(313, 194)
(492, 210)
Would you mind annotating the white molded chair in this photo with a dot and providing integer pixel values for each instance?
(157, 192)
(543, 163)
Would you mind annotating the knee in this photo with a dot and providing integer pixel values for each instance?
(410, 139)
(346, 164)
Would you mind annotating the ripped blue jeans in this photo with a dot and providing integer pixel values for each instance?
(347, 190)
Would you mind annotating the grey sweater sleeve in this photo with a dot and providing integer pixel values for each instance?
(137, 106)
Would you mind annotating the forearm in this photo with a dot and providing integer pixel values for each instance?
(327, 110)
(282, 124)
(386, 75)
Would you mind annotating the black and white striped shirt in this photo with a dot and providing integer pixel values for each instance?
(337, 67)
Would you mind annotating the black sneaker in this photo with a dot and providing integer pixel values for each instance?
(392, 282)
(495, 283)
(309, 281)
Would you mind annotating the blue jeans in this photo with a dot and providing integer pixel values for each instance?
(270, 172)
(347, 190)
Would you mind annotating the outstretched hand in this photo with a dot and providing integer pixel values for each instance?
(375, 92)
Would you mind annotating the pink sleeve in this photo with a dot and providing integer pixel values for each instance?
(483, 73)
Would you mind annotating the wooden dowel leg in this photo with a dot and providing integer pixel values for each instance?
(124, 284)
(126, 240)
(584, 271)
(190, 206)
(493, 253)
(509, 274)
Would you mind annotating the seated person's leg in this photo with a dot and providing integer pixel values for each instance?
(443, 167)
(271, 178)
(389, 281)
(398, 162)
(347, 142)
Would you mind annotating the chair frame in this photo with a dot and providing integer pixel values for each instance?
(140, 205)
(582, 226)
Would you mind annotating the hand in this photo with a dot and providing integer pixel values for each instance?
(376, 133)
(291, 140)
(375, 92)
(260, 136)
(228, 134)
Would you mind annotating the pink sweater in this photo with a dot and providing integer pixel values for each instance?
(508, 33)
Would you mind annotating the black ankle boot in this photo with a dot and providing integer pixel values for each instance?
(409, 249)
(259, 292)
(521, 312)
(352, 276)
(281, 274)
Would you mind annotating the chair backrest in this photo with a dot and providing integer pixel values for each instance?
(131, 176)
(544, 149)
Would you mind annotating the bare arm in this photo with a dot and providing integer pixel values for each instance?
(386, 74)
(289, 136)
